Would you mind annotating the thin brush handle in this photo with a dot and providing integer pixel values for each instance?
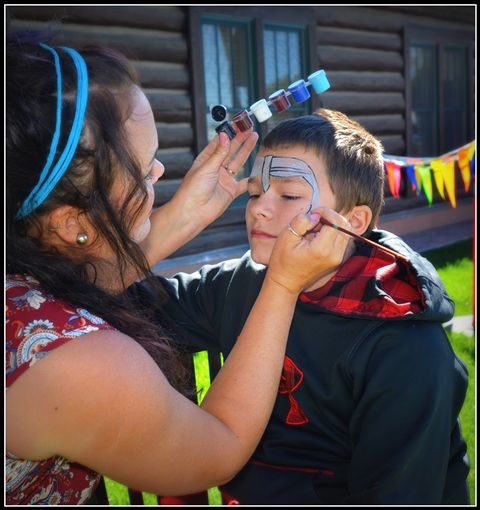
(360, 238)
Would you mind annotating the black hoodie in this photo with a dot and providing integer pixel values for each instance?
(368, 404)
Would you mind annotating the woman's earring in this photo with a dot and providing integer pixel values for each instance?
(82, 239)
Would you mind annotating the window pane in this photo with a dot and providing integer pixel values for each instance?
(284, 64)
(212, 82)
(424, 136)
(283, 58)
(455, 96)
(270, 60)
(226, 67)
(281, 47)
(294, 62)
(424, 114)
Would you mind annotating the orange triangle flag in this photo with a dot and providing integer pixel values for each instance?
(464, 165)
(394, 177)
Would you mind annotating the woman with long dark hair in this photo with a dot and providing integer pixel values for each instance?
(93, 385)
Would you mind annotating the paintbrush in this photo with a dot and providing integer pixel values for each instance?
(360, 238)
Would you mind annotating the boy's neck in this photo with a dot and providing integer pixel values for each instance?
(325, 278)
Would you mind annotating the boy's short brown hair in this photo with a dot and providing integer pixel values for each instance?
(353, 157)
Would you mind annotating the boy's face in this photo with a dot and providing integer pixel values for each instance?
(292, 189)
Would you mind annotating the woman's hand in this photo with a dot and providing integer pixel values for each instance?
(206, 191)
(299, 258)
(209, 187)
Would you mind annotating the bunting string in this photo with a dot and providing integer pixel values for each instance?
(420, 173)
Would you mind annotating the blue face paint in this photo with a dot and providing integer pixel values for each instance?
(278, 166)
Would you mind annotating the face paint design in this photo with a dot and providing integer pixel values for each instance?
(279, 166)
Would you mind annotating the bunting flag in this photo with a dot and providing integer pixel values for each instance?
(418, 177)
(464, 165)
(419, 171)
(394, 178)
(449, 180)
(437, 166)
(410, 170)
(426, 178)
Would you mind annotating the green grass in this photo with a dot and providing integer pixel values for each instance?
(464, 347)
(455, 267)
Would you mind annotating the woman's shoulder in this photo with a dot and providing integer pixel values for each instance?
(37, 323)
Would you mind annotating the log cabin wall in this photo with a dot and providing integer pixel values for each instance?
(155, 40)
(363, 50)
(360, 47)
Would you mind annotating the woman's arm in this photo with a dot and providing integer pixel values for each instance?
(100, 400)
(206, 191)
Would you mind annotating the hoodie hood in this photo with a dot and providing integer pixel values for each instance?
(375, 284)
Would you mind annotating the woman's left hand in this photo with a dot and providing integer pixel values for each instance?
(209, 187)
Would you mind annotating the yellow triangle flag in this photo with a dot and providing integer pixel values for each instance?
(418, 176)
(464, 165)
(438, 170)
(449, 180)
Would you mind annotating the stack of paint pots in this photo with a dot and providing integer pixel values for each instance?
(242, 121)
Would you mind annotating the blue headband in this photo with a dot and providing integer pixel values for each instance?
(49, 178)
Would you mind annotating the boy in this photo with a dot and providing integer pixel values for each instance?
(367, 409)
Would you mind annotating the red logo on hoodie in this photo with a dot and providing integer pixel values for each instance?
(291, 379)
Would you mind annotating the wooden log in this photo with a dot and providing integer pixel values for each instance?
(393, 144)
(163, 75)
(158, 18)
(174, 135)
(382, 124)
(333, 36)
(364, 103)
(353, 59)
(165, 189)
(462, 14)
(380, 19)
(134, 43)
(232, 216)
(215, 238)
(177, 162)
(359, 18)
(169, 106)
(365, 81)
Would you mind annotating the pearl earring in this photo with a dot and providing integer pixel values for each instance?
(82, 239)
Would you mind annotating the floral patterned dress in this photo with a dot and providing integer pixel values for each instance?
(36, 324)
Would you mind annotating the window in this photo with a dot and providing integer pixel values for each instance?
(243, 58)
(438, 80)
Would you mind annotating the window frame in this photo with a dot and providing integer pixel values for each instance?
(305, 19)
(441, 38)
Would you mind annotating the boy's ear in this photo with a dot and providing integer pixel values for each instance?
(359, 218)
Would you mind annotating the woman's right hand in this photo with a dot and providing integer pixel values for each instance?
(296, 262)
